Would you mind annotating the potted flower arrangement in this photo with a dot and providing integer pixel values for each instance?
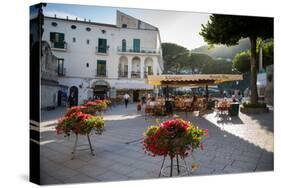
(173, 138)
(80, 121)
(96, 106)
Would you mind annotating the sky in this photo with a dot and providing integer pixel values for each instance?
(177, 27)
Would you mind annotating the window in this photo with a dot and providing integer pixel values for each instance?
(57, 39)
(123, 45)
(88, 29)
(124, 25)
(149, 70)
(54, 24)
(102, 46)
(87, 65)
(73, 26)
(61, 71)
(101, 68)
(136, 45)
(88, 41)
(73, 39)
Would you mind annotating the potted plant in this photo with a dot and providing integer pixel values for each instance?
(173, 138)
(79, 121)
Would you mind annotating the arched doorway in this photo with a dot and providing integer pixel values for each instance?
(100, 89)
(74, 89)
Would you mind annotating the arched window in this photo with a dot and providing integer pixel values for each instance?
(123, 45)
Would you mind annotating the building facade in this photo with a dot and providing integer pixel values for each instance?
(96, 59)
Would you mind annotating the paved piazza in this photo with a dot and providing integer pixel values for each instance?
(235, 145)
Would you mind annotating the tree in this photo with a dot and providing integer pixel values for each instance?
(218, 67)
(241, 62)
(172, 53)
(268, 50)
(197, 61)
(228, 30)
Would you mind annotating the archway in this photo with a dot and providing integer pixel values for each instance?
(148, 66)
(136, 67)
(100, 89)
(123, 67)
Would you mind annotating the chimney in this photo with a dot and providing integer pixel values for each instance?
(76, 18)
(55, 16)
(67, 17)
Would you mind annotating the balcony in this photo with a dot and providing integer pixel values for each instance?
(59, 46)
(102, 51)
(135, 74)
(62, 72)
(129, 50)
(147, 74)
(123, 74)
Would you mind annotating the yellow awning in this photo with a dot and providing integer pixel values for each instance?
(192, 80)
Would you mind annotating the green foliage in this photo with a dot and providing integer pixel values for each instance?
(172, 56)
(254, 105)
(241, 62)
(268, 53)
(196, 62)
(228, 30)
(218, 67)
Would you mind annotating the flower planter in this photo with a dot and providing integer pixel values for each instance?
(78, 121)
(181, 170)
(248, 110)
(176, 139)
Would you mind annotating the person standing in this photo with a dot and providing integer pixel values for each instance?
(126, 99)
(72, 100)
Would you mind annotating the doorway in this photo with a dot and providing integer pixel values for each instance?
(75, 90)
(136, 94)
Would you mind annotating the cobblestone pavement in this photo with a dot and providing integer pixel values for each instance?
(235, 145)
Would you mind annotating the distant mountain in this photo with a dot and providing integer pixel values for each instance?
(222, 51)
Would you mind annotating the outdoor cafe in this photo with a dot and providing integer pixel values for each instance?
(167, 104)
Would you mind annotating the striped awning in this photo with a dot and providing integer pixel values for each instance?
(192, 80)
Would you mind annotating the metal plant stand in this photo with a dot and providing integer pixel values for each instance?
(76, 146)
(181, 170)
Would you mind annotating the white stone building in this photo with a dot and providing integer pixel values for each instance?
(96, 59)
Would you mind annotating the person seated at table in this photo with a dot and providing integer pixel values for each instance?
(194, 103)
(152, 102)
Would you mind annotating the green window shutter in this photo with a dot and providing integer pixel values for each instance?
(136, 45)
(52, 36)
(102, 45)
(101, 68)
(123, 45)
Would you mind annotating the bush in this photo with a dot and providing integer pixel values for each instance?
(254, 105)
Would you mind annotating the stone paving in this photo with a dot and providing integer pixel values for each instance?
(235, 145)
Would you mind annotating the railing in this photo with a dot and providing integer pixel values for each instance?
(59, 46)
(141, 50)
(123, 74)
(147, 74)
(135, 74)
(103, 51)
(101, 74)
(62, 72)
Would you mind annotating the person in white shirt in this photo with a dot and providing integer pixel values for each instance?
(126, 99)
